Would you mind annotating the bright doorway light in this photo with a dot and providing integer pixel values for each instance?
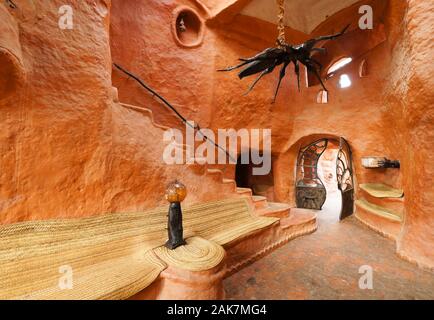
(344, 81)
(339, 64)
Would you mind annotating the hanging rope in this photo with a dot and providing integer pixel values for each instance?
(281, 39)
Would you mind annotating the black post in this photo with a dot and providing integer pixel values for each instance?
(392, 164)
(174, 226)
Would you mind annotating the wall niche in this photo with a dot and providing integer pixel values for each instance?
(187, 27)
(363, 69)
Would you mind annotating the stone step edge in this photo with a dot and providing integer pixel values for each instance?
(378, 210)
(364, 187)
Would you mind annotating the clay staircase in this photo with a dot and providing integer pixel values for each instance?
(260, 204)
(223, 174)
(381, 208)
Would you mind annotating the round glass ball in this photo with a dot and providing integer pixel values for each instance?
(176, 192)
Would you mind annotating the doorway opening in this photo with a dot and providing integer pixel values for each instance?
(261, 185)
(324, 178)
(327, 173)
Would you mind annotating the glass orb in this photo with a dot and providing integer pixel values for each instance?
(176, 192)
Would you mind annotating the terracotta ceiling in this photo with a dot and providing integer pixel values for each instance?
(302, 15)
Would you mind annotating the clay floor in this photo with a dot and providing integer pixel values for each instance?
(325, 265)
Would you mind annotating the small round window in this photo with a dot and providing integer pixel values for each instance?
(187, 27)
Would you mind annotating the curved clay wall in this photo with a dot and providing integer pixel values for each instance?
(150, 48)
(69, 150)
(409, 103)
(54, 135)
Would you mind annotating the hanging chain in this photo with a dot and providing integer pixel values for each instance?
(281, 40)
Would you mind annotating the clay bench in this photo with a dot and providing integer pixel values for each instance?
(117, 256)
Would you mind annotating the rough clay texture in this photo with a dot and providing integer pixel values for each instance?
(409, 105)
(69, 149)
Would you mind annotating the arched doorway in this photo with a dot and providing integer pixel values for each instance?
(325, 172)
(261, 185)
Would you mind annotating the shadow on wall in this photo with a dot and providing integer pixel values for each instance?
(12, 73)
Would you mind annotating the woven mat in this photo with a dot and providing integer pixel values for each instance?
(198, 255)
(114, 279)
(224, 221)
(110, 255)
(103, 252)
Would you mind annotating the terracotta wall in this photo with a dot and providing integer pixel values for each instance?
(69, 150)
(409, 102)
(142, 41)
(54, 139)
(356, 113)
(387, 113)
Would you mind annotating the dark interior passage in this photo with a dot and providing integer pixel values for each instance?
(262, 185)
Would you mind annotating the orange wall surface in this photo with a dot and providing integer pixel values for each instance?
(68, 149)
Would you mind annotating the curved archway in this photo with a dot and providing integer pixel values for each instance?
(325, 178)
(333, 167)
(310, 189)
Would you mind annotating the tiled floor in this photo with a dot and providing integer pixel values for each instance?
(325, 265)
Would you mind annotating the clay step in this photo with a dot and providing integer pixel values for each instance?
(260, 202)
(228, 170)
(380, 190)
(275, 209)
(147, 112)
(395, 205)
(230, 181)
(244, 191)
(298, 217)
(214, 174)
(378, 210)
(384, 226)
(214, 171)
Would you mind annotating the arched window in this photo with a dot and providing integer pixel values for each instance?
(338, 65)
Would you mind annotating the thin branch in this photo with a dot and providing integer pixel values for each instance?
(162, 99)
(11, 4)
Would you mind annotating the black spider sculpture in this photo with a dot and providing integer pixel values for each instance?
(266, 61)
